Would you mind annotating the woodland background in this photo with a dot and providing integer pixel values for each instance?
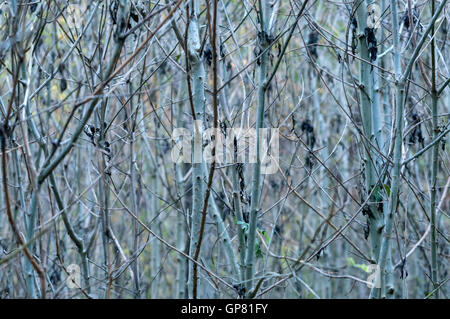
(92, 205)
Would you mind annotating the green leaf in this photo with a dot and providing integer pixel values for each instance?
(264, 233)
(388, 190)
(376, 194)
(363, 267)
(350, 261)
(258, 251)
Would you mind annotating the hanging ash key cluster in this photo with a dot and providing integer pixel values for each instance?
(313, 40)
(245, 198)
(208, 55)
(354, 26)
(414, 14)
(94, 134)
(371, 44)
(416, 131)
(308, 129)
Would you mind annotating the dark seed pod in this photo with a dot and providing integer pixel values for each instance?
(319, 253)
(278, 230)
(134, 15)
(113, 11)
(63, 85)
(223, 128)
(207, 54)
(354, 24)
(87, 131)
(229, 66)
(246, 216)
(307, 127)
(256, 52)
(371, 44)
(240, 288)
(222, 50)
(366, 211)
(416, 133)
(313, 40)
(366, 231)
(273, 184)
(33, 6)
(415, 17)
(403, 271)
(309, 162)
(55, 277)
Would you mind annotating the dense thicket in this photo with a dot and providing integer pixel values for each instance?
(94, 95)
